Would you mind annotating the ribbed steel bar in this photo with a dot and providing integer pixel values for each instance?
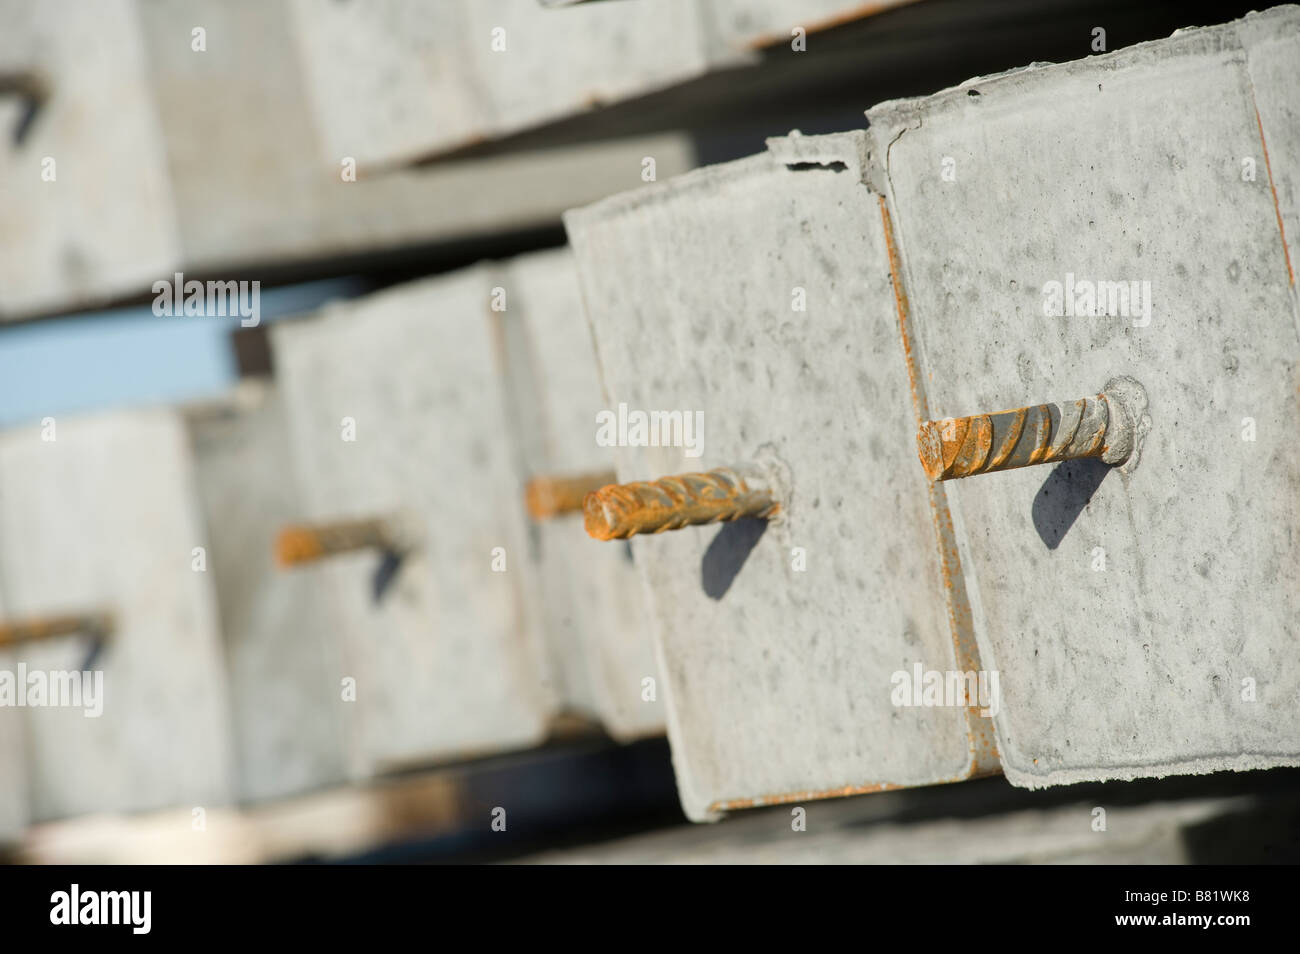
(983, 443)
(670, 503)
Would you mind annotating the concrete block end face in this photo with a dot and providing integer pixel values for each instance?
(813, 405)
(1181, 578)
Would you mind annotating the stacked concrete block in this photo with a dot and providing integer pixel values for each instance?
(821, 301)
(83, 178)
(481, 69)
(396, 412)
(759, 293)
(168, 156)
(589, 594)
(99, 515)
(282, 645)
(1143, 620)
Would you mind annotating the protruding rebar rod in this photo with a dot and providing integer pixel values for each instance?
(1096, 426)
(621, 510)
(40, 628)
(306, 543)
(552, 496)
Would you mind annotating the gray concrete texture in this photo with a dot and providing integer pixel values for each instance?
(104, 517)
(447, 658)
(105, 225)
(283, 648)
(169, 158)
(590, 594)
(1127, 167)
(393, 82)
(777, 679)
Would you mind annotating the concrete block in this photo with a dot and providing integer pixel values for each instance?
(759, 293)
(447, 658)
(473, 70)
(14, 809)
(1155, 833)
(736, 25)
(283, 649)
(104, 516)
(1143, 621)
(151, 180)
(590, 593)
(87, 198)
(482, 69)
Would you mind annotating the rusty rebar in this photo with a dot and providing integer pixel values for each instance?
(40, 628)
(548, 496)
(1097, 426)
(670, 503)
(306, 543)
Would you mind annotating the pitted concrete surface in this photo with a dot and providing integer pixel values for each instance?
(778, 680)
(105, 516)
(282, 646)
(591, 593)
(1127, 167)
(448, 661)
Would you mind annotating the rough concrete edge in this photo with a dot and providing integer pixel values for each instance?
(1204, 765)
(981, 735)
(894, 113)
(850, 148)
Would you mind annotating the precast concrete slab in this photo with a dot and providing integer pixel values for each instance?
(98, 514)
(1058, 227)
(758, 293)
(590, 593)
(283, 648)
(395, 412)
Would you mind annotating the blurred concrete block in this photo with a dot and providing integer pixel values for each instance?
(470, 70)
(104, 517)
(445, 652)
(1155, 833)
(395, 82)
(83, 179)
(736, 25)
(590, 593)
(13, 761)
(1143, 622)
(282, 647)
(759, 293)
(208, 160)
